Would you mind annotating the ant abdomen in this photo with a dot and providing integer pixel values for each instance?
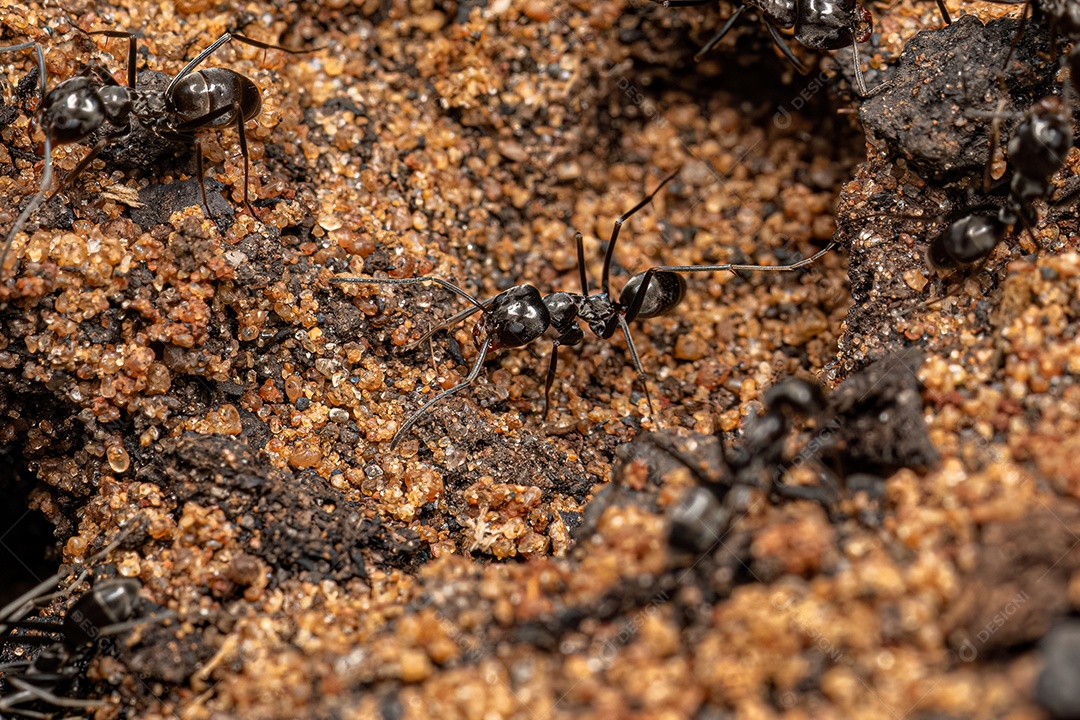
(1039, 147)
(208, 91)
(516, 317)
(782, 12)
(665, 292)
(967, 240)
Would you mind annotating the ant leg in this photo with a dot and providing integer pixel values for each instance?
(25, 602)
(707, 47)
(637, 366)
(550, 380)
(121, 627)
(132, 39)
(441, 396)
(1029, 227)
(40, 59)
(778, 40)
(635, 307)
(1067, 197)
(200, 172)
(46, 173)
(1019, 33)
(685, 3)
(825, 497)
(244, 152)
(83, 164)
(581, 263)
(481, 306)
(944, 12)
(857, 69)
(618, 225)
(694, 466)
(31, 207)
(21, 606)
(43, 694)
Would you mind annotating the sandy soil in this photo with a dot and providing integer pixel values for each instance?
(203, 382)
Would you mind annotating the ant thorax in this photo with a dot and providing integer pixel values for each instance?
(151, 110)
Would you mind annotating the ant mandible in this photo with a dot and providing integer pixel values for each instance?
(520, 315)
(818, 25)
(194, 101)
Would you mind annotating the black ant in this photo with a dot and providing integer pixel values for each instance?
(757, 462)
(818, 25)
(1037, 150)
(865, 430)
(194, 101)
(107, 609)
(520, 315)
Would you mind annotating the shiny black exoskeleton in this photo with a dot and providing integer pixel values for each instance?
(107, 609)
(195, 100)
(753, 463)
(817, 24)
(1037, 150)
(520, 315)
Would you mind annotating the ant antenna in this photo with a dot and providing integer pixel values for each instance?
(615, 235)
(477, 306)
(639, 297)
(715, 39)
(473, 374)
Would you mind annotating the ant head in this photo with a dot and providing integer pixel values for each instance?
(967, 240)
(516, 317)
(831, 24)
(665, 291)
(115, 103)
(1042, 140)
(796, 396)
(72, 110)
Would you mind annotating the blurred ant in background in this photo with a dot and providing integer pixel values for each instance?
(863, 431)
(817, 24)
(107, 609)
